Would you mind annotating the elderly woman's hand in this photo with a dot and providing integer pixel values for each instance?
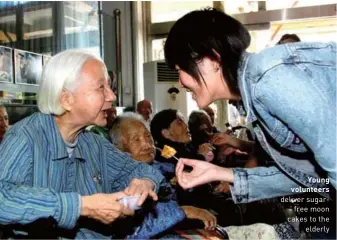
(202, 214)
(174, 181)
(104, 207)
(222, 187)
(223, 139)
(219, 139)
(205, 148)
(142, 188)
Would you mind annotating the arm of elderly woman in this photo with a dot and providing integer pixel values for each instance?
(65, 208)
(21, 204)
(207, 217)
(132, 177)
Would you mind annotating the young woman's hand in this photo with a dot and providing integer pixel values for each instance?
(203, 172)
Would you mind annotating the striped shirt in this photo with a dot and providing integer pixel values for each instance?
(38, 179)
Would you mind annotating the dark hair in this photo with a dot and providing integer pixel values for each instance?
(198, 34)
(162, 120)
(195, 120)
(289, 36)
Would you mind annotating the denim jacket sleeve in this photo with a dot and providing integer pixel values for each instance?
(252, 184)
(302, 95)
(122, 169)
(21, 204)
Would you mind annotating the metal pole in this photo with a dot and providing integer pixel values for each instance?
(117, 14)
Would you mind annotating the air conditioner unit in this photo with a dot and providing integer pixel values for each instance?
(158, 79)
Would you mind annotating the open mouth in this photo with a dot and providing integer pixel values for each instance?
(104, 113)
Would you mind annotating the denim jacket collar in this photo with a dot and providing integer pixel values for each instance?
(245, 88)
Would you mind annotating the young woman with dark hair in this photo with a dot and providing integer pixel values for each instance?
(288, 92)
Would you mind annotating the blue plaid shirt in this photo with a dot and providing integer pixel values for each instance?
(38, 180)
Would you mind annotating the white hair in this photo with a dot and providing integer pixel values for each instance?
(115, 130)
(61, 72)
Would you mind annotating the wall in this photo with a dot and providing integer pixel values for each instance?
(157, 93)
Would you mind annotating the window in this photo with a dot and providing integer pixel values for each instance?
(81, 26)
(49, 27)
(158, 49)
(240, 6)
(272, 4)
(37, 20)
(7, 22)
(244, 6)
(321, 30)
(164, 11)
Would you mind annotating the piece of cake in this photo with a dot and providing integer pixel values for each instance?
(168, 152)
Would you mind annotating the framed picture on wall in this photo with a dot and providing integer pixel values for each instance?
(6, 64)
(45, 59)
(27, 67)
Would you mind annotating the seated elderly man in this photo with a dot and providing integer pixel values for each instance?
(3, 122)
(144, 108)
(57, 180)
(130, 134)
(200, 126)
(211, 114)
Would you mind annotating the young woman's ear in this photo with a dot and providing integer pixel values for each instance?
(217, 62)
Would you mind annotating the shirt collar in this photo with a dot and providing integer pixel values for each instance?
(58, 147)
(243, 82)
(78, 151)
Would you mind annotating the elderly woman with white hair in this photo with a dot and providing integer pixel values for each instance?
(56, 179)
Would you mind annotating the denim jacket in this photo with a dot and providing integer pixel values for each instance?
(289, 94)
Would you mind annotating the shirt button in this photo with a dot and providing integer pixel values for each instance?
(239, 199)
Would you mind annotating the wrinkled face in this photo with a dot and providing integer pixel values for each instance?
(178, 130)
(92, 98)
(145, 109)
(137, 140)
(3, 122)
(206, 124)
